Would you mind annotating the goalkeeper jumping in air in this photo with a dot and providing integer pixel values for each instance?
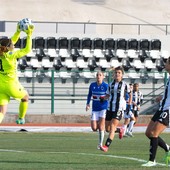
(9, 83)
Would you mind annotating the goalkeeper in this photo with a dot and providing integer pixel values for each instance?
(9, 84)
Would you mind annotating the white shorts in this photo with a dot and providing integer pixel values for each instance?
(96, 115)
(129, 115)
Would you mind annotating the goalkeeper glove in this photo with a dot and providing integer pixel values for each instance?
(18, 28)
(29, 30)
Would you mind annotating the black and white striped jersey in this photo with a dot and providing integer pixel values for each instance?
(117, 91)
(137, 98)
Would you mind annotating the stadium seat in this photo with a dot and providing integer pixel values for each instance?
(46, 64)
(144, 44)
(39, 45)
(92, 64)
(75, 48)
(81, 64)
(87, 75)
(149, 65)
(144, 47)
(115, 63)
(103, 64)
(98, 48)
(132, 49)
(64, 75)
(22, 64)
(144, 77)
(138, 65)
(121, 45)
(29, 75)
(69, 64)
(155, 44)
(75, 75)
(134, 76)
(63, 47)
(160, 64)
(86, 45)
(155, 54)
(155, 48)
(40, 54)
(126, 64)
(41, 76)
(51, 46)
(34, 63)
(49, 75)
(57, 64)
(165, 55)
(51, 43)
(109, 47)
(156, 76)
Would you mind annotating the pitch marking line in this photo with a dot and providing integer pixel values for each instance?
(86, 154)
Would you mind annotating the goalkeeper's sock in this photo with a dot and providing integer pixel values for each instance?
(1, 117)
(23, 109)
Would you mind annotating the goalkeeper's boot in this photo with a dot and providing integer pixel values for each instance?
(167, 158)
(104, 148)
(20, 121)
(149, 164)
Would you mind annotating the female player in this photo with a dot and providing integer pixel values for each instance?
(9, 84)
(116, 105)
(97, 91)
(159, 122)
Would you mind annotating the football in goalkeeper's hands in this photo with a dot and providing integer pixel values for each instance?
(24, 23)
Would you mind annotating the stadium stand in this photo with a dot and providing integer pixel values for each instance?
(72, 54)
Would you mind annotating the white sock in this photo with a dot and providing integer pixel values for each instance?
(101, 137)
(125, 128)
(131, 125)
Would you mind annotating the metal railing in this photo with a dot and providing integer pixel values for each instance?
(91, 28)
(49, 89)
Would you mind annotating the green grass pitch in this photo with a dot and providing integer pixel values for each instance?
(69, 151)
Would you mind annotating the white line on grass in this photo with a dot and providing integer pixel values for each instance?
(86, 154)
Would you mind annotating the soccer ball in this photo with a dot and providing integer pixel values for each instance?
(24, 23)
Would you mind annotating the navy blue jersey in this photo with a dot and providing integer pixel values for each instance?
(96, 92)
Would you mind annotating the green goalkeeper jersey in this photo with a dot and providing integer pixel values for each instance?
(8, 62)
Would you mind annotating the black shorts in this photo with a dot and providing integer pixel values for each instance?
(136, 113)
(113, 115)
(162, 117)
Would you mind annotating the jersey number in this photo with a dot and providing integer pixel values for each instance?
(1, 68)
(163, 115)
